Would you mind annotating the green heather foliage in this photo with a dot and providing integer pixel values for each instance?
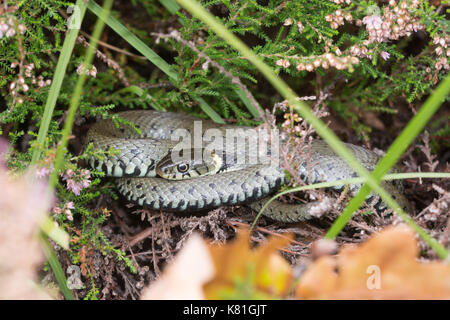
(272, 28)
(360, 50)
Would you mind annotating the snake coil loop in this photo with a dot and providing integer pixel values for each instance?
(141, 156)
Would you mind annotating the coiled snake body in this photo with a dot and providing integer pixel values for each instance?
(140, 154)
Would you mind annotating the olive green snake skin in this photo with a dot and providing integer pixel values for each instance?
(139, 154)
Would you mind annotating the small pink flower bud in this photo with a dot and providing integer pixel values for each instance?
(288, 22)
(22, 28)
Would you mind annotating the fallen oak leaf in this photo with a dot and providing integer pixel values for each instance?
(383, 267)
(245, 273)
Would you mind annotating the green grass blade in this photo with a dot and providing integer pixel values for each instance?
(56, 268)
(209, 111)
(170, 5)
(250, 107)
(54, 232)
(60, 71)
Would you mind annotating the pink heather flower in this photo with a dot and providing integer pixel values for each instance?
(385, 55)
(68, 213)
(68, 174)
(67, 210)
(85, 173)
(283, 63)
(4, 27)
(334, 25)
(56, 210)
(372, 22)
(74, 186)
(22, 28)
(42, 172)
(77, 183)
(82, 69)
(11, 33)
(288, 22)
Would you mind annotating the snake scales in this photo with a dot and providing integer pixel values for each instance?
(140, 154)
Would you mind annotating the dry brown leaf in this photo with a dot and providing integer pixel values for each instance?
(262, 271)
(383, 267)
(185, 276)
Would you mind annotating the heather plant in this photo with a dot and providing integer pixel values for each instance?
(352, 59)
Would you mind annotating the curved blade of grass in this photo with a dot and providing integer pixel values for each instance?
(56, 268)
(60, 71)
(170, 5)
(387, 177)
(151, 55)
(209, 111)
(54, 232)
(250, 107)
(302, 108)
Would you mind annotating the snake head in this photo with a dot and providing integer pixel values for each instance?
(189, 163)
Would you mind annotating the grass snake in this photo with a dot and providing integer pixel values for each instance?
(229, 183)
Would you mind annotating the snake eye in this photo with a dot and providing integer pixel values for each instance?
(183, 167)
